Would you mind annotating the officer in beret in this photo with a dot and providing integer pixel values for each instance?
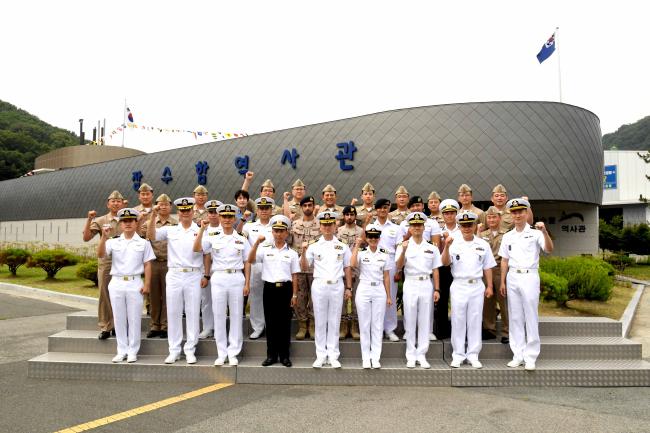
(305, 229)
(331, 260)
(199, 212)
(280, 268)
(348, 233)
(420, 259)
(470, 259)
(158, 292)
(373, 293)
(251, 231)
(227, 255)
(213, 229)
(95, 226)
(520, 282)
(184, 278)
(131, 257)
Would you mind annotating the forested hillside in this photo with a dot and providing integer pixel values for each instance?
(634, 136)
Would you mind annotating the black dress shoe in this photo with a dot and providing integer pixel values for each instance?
(505, 340)
(104, 335)
(113, 332)
(286, 362)
(163, 334)
(153, 333)
(487, 335)
(269, 361)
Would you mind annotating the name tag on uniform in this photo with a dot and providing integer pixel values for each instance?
(480, 249)
(365, 260)
(428, 251)
(338, 247)
(238, 242)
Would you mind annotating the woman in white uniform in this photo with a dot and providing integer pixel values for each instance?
(373, 293)
(132, 257)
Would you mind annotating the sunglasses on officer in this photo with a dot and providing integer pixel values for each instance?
(372, 236)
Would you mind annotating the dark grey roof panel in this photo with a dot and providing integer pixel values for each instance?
(546, 150)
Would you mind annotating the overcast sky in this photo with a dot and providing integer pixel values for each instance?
(257, 66)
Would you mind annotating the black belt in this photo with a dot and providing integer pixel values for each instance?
(278, 284)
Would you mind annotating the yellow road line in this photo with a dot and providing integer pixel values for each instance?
(143, 409)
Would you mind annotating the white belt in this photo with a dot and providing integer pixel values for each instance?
(372, 283)
(523, 270)
(227, 271)
(126, 277)
(329, 281)
(468, 280)
(185, 269)
(417, 277)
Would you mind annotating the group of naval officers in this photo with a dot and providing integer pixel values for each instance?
(335, 268)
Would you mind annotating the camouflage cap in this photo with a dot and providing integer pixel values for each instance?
(200, 190)
(401, 190)
(163, 198)
(145, 187)
(368, 188)
(115, 195)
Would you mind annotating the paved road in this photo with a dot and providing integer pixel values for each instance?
(34, 405)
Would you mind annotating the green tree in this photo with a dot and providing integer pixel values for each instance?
(88, 271)
(51, 261)
(14, 258)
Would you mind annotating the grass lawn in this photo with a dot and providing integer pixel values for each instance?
(638, 271)
(613, 308)
(66, 280)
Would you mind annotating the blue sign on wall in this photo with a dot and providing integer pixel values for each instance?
(610, 177)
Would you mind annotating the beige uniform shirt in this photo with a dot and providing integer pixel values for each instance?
(362, 211)
(507, 223)
(304, 231)
(159, 247)
(349, 236)
(198, 215)
(295, 209)
(397, 216)
(96, 228)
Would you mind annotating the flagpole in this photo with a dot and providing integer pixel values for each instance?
(123, 121)
(559, 64)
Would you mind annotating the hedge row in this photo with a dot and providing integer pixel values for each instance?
(51, 261)
(566, 278)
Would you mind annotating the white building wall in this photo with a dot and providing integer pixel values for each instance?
(573, 226)
(636, 214)
(631, 173)
(67, 233)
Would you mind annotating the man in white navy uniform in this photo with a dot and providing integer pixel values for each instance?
(372, 295)
(470, 258)
(520, 282)
(213, 229)
(280, 268)
(132, 257)
(331, 260)
(252, 230)
(441, 327)
(227, 255)
(419, 259)
(185, 269)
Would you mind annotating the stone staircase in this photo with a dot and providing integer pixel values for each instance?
(575, 352)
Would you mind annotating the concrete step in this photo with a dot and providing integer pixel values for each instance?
(548, 326)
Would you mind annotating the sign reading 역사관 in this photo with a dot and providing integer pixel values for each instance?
(609, 175)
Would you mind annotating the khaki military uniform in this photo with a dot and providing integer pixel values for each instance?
(362, 211)
(198, 215)
(349, 237)
(296, 210)
(304, 231)
(104, 310)
(157, 291)
(336, 208)
(490, 304)
(397, 216)
(438, 218)
(507, 223)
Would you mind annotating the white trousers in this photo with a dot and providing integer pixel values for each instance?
(523, 303)
(417, 297)
(256, 298)
(228, 293)
(466, 318)
(183, 294)
(207, 318)
(371, 307)
(126, 301)
(390, 318)
(327, 302)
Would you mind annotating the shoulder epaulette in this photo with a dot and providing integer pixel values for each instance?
(115, 237)
(363, 249)
(430, 242)
(241, 234)
(382, 250)
(313, 241)
(343, 241)
(173, 225)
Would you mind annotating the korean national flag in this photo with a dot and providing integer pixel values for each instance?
(547, 49)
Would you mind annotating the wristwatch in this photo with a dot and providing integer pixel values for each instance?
(207, 277)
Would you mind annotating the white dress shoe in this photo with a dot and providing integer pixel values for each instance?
(119, 358)
(233, 361)
(206, 333)
(392, 336)
(190, 358)
(318, 363)
(476, 364)
(172, 359)
(255, 335)
(219, 361)
(530, 366)
(410, 364)
(375, 364)
(514, 363)
(456, 363)
(432, 337)
(335, 363)
(132, 358)
(404, 337)
(366, 363)
(424, 363)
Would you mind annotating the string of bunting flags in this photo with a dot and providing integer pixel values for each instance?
(214, 135)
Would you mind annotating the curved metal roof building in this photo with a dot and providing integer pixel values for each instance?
(546, 150)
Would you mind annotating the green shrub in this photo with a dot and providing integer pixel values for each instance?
(51, 261)
(14, 258)
(588, 278)
(619, 261)
(88, 271)
(554, 287)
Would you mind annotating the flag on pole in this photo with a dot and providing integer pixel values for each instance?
(129, 114)
(547, 49)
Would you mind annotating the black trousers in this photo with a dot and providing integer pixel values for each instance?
(277, 314)
(442, 326)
